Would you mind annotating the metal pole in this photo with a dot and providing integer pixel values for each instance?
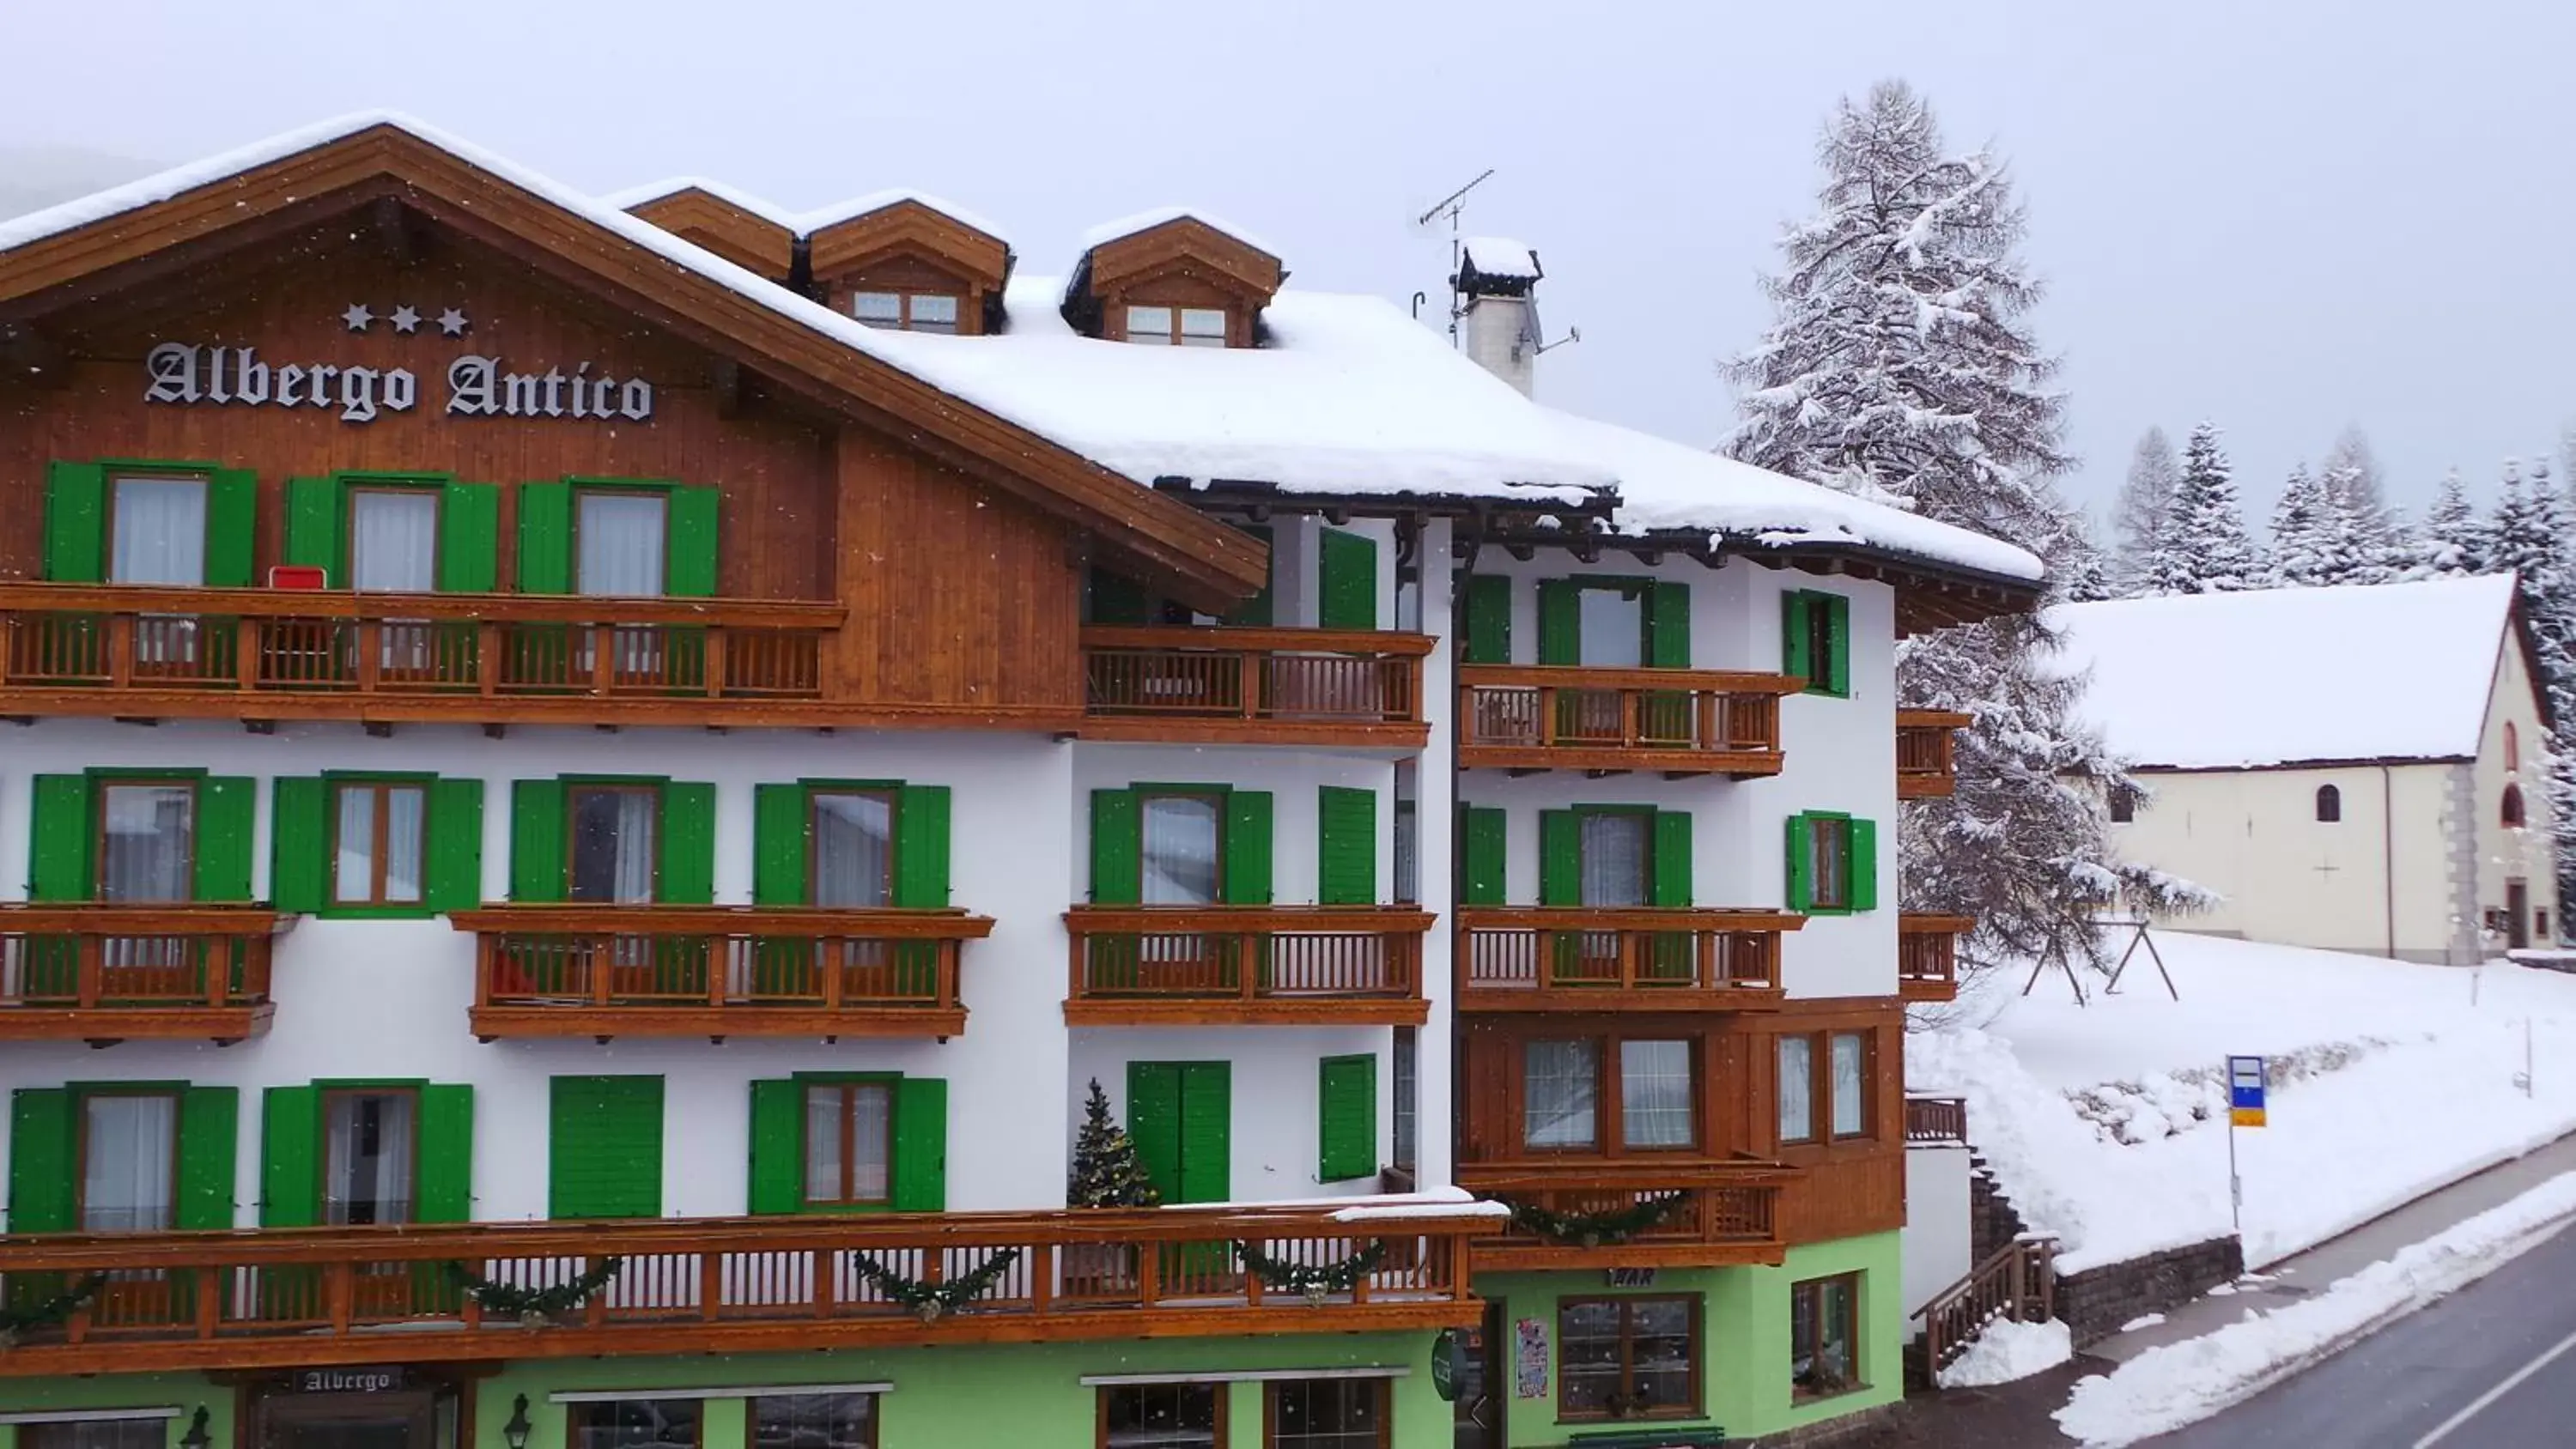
(2526, 1057)
(2235, 1185)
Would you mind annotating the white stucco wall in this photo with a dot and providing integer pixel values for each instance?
(2504, 854)
(1937, 1246)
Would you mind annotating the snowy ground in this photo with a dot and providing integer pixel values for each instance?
(2407, 1078)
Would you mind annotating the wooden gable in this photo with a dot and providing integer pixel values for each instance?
(1183, 262)
(908, 245)
(740, 236)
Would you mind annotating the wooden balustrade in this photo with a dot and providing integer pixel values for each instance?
(230, 653)
(262, 1298)
(1936, 1121)
(1149, 965)
(1927, 955)
(1728, 1212)
(1924, 768)
(2018, 1281)
(1585, 958)
(101, 972)
(1259, 686)
(1567, 717)
(610, 971)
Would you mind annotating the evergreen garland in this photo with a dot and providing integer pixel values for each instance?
(1591, 1230)
(534, 1306)
(48, 1312)
(929, 1300)
(1316, 1282)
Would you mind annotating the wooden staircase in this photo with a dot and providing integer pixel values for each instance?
(2017, 1281)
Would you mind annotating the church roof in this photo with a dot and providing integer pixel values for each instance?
(2292, 676)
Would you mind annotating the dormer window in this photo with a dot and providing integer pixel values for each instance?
(900, 262)
(1177, 326)
(1170, 279)
(906, 311)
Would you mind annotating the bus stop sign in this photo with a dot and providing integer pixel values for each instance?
(2245, 1091)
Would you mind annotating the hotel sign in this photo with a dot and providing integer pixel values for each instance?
(348, 1380)
(188, 374)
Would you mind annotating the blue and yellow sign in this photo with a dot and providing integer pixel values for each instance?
(2245, 1091)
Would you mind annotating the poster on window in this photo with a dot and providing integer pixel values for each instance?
(1529, 1358)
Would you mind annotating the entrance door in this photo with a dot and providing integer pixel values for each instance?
(380, 1433)
(2517, 913)
(1483, 1389)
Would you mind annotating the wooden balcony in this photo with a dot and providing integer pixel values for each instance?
(1729, 1212)
(267, 1298)
(1680, 722)
(1254, 686)
(1927, 955)
(716, 971)
(1582, 958)
(1246, 965)
(106, 973)
(1936, 1121)
(256, 654)
(1924, 769)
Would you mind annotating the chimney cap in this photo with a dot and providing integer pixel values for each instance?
(1494, 266)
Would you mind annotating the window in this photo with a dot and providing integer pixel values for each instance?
(370, 1156)
(635, 1424)
(1327, 1414)
(1828, 863)
(814, 1421)
(96, 1434)
(1823, 1348)
(157, 530)
(1847, 1057)
(1408, 1047)
(620, 543)
(906, 311)
(1181, 849)
(853, 835)
(393, 540)
(1561, 1095)
(1611, 625)
(1842, 1090)
(2511, 811)
(1628, 1358)
(613, 829)
(147, 841)
(2124, 804)
(129, 1161)
(1616, 846)
(2512, 746)
(1161, 1416)
(1177, 326)
(2540, 922)
(1655, 1094)
(377, 843)
(2329, 804)
(1815, 639)
(1408, 860)
(849, 1144)
(1202, 327)
(1797, 1089)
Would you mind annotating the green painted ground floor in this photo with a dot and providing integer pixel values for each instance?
(1566, 1354)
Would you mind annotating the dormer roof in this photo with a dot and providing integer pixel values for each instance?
(1171, 243)
(735, 225)
(846, 237)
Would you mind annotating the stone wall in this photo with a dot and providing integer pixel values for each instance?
(1993, 1222)
(2097, 1301)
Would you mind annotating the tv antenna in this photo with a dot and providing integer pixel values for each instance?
(1453, 206)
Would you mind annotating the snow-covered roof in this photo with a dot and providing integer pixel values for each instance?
(766, 210)
(1125, 226)
(808, 223)
(1666, 486)
(2290, 676)
(1498, 256)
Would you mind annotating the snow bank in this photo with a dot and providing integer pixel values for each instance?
(2009, 1350)
(2165, 1388)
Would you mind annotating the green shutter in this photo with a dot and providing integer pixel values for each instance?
(1117, 599)
(545, 538)
(1838, 625)
(1259, 611)
(225, 806)
(536, 841)
(59, 861)
(778, 871)
(1346, 1107)
(446, 1190)
(75, 523)
(777, 1147)
(232, 527)
(1346, 846)
(43, 1154)
(921, 846)
(299, 844)
(1207, 1132)
(315, 536)
(1117, 849)
(1801, 889)
(921, 1145)
(691, 564)
(1247, 847)
(1864, 864)
(469, 538)
(1794, 636)
(1488, 625)
(1346, 580)
(209, 1132)
(1560, 622)
(290, 1157)
(1480, 855)
(688, 839)
(604, 1154)
(1560, 858)
(1668, 625)
(1672, 884)
(455, 844)
(1154, 1123)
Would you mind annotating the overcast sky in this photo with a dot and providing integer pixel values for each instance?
(2284, 216)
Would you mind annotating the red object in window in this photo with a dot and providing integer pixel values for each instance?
(297, 576)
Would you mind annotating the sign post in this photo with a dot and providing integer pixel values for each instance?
(2244, 1109)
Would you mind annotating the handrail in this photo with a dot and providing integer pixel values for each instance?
(1934, 719)
(1231, 637)
(1932, 923)
(1643, 1171)
(2017, 1281)
(1132, 964)
(1936, 1119)
(1218, 919)
(881, 924)
(1584, 677)
(117, 918)
(1630, 918)
(350, 604)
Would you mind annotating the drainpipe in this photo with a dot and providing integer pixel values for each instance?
(2388, 860)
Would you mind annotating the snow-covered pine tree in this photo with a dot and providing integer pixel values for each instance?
(2528, 535)
(2138, 517)
(2452, 541)
(2084, 577)
(2351, 473)
(1900, 364)
(1106, 1171)
(2205, 548)
(2304, 546)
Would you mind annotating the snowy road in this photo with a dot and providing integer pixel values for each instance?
(2493, 1366)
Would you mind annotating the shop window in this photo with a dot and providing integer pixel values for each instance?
(1161, 1416)
(1628, 1358)
(635, 1424)
(1824, 1344)
(1326, 1414)
(95, 1434)
(814, 1421)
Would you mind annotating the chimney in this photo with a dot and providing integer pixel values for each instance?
(1496, 277)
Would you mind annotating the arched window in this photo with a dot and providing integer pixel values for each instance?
(2512, 812)
(2124, 804)
(2512, 747)
(2329, 803)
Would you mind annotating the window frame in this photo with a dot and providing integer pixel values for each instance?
(1217, 1393)
(1381, 1389)
(845, 1083)
(1638, 590)
(1820, 1093)
(1583, 815)
(103, 781)
(891, 792)
(2122, 806)
(70, 1430)
(1828, 616)
(1694, 1405)
(2511, 812)
(1404, 1070)
(583, 488)
(876, 1413)
(176, 1093)
(1176, 329)
(1609, 1095)
(579, 1410)
(375, 905)
(574, 786)
(115, 473)
(326, 1093)
(2512, 748)
(1146, 795)
(904, 298)
(2329, 805)
(1813, 1288)
(1841, 823)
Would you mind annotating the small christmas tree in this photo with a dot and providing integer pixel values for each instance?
(1105, 1170)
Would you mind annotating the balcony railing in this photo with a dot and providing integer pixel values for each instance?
(1725, 1213)
(1281, 686)
(1564, 717)
(1927, 955)
(1923, 752)
(225, 653)
(115, 972)
(1146, 965)
(1936, 1121)
(253, 1299)
(1584, 958)
(610, 971)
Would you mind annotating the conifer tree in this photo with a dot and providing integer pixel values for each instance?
(2138, 517)
(2527, 535)
(2205, 548)
(2351, 475)
(1106, 1171)
(2452, 541)
(2303, 546)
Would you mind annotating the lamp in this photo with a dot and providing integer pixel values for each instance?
(197, 1437)
(515, 1432)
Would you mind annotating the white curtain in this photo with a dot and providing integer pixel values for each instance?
(1655, 1093)
(403, 830)
(1612, 627)
(1614, 858)
(1181, 850)
(622, 544)
(367, 1177)
(148, 828)
(613, 845)
(853, 850)
(127, 1155)
(355, 878)
(855, 1121)
(393, 540)
(1561, 1094)
(1797, 1089)
(159, 532)
(1845, 1054)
